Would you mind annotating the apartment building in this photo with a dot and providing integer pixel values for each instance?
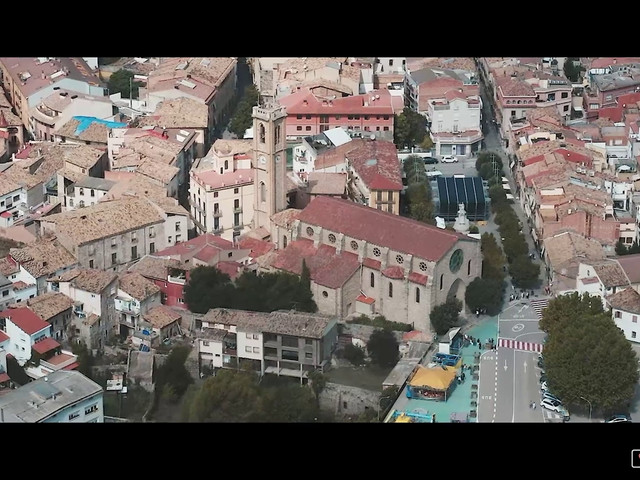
(281, 342)
(25, 329)
(222, 190)
(61, 397)
(41, 260)
(93, 294)
(209, 81)
(27, 80)
(455, 123)
(423, 85)
(86, 192)
(58, 108)
(168, 274)
(369, 114)
(112, 234)
(54, 308)
(135, 296)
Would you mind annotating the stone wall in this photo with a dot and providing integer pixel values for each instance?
(343, 400)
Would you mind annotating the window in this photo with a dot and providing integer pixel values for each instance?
(91, 409)
(633, 334)
(248, 335)
(134, 252)
(81, 191)
(93, 192)
(441, 281)
(5, 293)
(310, 231)
(152, 247)
(332, 238)
(390, 290)
(114, 258)
(354, 245)
(74, 415)
(372, 280)
(417, 294)
(256, 349)
(215, 194)
(379, 195)
(307, 128)
(566, 108)
(325, 294)
(178, 238)
(90, 263)
(564, 95)
(255, 336)
(299, 117)
(263, 192)
(299, 128)
(376, 251)
(247, 349)
(423, 266)
(169, 239)
(399, 259)
(469, 267)
(634, 319)
(236, 191)
(308, 355)
(205, 343)
(618, 314)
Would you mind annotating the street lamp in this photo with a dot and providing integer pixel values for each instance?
(589, 407)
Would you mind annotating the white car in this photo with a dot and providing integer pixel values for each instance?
(553, 405)
(449, 159)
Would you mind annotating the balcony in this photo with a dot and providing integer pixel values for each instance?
(218, 229)
(127, 306)
(239, 226)
(237, 210)
(178, 279)
(217, 213)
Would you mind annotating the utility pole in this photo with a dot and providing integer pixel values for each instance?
(496, 168)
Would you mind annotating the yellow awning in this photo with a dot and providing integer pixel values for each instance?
(437, 378)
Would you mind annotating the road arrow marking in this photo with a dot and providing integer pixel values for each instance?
(525, 366)
(505, 365)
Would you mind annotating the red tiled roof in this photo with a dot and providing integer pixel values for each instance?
(377, 164)
(72, 366)
(381, 228)
(3, 336)
(305, 102)
(371, 263)
(418, 278)
(587, 281)
(325, 266)
(365, 299)
(393, 272)
(258, 247)
(216, 180)
(45, 345)
(230, 268)
(26, 320)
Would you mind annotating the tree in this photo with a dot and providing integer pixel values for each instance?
(383, 348)
(172, 378)
(621, 248)
(317, 381)
(85, 359)
(524, 273)
(243, 117)
(486, 294)
(208, 288)
(122, 81)
(572, 71)
(354, 354)
(493, 260)
(16, 372)
(409, 129)
(446, 315)
(287, 402)
(586, 355)
(474, 229)
(230, 396)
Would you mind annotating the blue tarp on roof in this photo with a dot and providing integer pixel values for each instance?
(85, 122)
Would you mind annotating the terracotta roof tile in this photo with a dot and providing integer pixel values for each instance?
(627, 300)
(50, 304)
(137, 286)
(161, 316)
(381, 228)
(393, 272)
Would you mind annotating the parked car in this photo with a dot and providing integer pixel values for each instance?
(618, 419)
(540, 362)
(449, 159)
(430, 160)
(550, 396)
(553, 405)
(544, 387)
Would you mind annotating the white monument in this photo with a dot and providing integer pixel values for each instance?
(462, 222)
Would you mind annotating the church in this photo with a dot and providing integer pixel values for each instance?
(361, 259)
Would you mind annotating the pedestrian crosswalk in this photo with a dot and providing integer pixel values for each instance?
(539, 305)
(518, 345)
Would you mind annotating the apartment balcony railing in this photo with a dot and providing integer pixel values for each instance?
(218, 229)
(237, 210)
(179, 280)
(217, 213)
(239, 226)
